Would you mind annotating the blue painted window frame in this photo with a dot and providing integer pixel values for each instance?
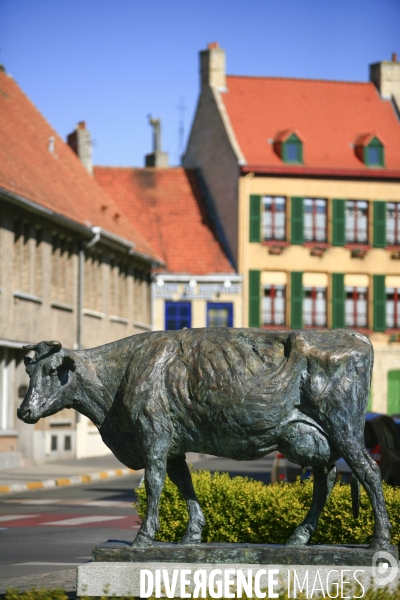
(228, 305)
(182, 321)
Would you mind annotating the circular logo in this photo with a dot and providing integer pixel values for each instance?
(384, 568)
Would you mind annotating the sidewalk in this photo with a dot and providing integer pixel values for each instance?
(61, 473)
(67, 472)
(60, 580)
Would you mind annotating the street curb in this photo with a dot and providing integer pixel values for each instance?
(64, 481)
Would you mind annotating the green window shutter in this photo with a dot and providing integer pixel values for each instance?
(338, 301)
(338, 223)
(379, 308)
(297, 221)
(255, 219)
(379, 224)
(254, 298)
(393, 406)
(296, 300)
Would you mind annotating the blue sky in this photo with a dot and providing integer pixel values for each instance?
(113, 63)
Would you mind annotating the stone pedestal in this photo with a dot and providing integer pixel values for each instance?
(120, 570)
(255, 554)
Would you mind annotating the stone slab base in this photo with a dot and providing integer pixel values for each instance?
(260, 554)
(142, 579)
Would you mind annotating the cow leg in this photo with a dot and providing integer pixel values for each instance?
(155, 459)
(179, 474)
(367, 472)
(324, 480)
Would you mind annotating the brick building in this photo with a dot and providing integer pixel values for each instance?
(72, 267)
(171, 208)
(305, 177)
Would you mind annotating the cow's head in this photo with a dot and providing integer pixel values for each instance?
(51, 386)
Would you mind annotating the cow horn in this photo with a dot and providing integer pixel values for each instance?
(57, 345)
(29, 347)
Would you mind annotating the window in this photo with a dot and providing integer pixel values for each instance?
(393, 308)
(141, 296)
(178, 315)
(292, 150)
(373, 153)
(118, 289)
(292, 154)
(7, 409)
(373, 156)
(370, 150)
(61, 270)
(356, 221)
(393, 223)
(219, 314)
(67, 443)
(54, 439)
(273, 305)
(274, 218)
(28, 259)
(314, 220)
(93, 285)
(314, 307)
(356, 306)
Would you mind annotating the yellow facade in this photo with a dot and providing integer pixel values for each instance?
(317, 270)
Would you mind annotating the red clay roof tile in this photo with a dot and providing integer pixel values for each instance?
(328, 115)
(167, 207)
(37, 164)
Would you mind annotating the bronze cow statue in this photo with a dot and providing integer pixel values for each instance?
(237, 393)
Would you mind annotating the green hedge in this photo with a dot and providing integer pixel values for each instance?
(43, 594)
(370, 594)
(245, 510)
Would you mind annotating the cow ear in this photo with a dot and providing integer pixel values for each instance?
(27, 360)
(69, 362)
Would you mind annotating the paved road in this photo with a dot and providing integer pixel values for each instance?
(53, 530)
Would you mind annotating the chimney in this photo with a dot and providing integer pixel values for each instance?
(81, 143)
(212, 66)
(157, 158)
(386, 77)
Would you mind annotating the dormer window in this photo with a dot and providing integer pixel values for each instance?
(374, 154)
(369, 149)
(289, 147)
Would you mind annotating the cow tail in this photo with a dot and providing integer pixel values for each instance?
(355, 495)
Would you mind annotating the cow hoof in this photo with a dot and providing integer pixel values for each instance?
(379, 545)
(300, 537)
(142, 541)
(191, 539)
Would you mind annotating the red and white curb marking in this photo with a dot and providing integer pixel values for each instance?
(63, 481)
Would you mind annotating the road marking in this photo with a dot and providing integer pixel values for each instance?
(83, 520)
(71, 520)
(15, 517)
(47, 564)
(31, 501)
(105, 503)
(73, 502)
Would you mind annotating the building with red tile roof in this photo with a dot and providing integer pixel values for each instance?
(329, 116)
(169, 207)
(169, 210)
(73, 267)
(37, 165)
(305, 178)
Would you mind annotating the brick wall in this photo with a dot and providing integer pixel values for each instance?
(39, 266)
